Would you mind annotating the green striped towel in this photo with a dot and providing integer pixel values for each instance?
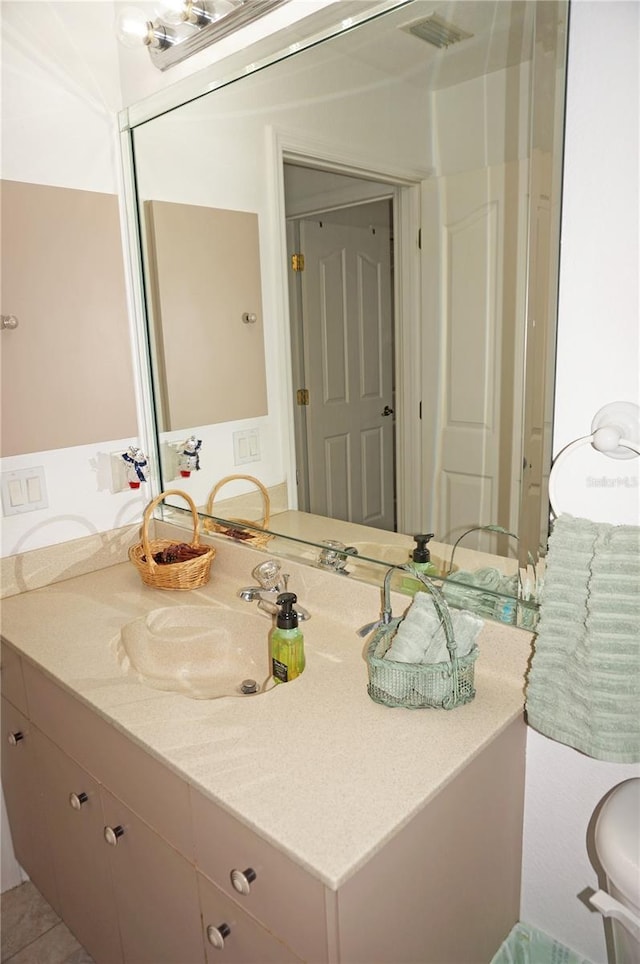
(583, 687)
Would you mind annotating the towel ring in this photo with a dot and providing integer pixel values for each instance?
(615, 432)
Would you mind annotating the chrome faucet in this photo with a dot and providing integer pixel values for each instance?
(334, 555)
(271, 583)
(385, 615)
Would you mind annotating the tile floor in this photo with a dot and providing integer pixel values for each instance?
(32, 933)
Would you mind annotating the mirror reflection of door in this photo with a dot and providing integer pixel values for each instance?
(343, 339)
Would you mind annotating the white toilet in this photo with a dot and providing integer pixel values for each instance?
(617, 838)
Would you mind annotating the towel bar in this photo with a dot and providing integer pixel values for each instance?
(615, 432)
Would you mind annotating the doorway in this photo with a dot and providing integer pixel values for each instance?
(341, 298)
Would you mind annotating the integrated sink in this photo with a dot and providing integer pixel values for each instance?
(204, 652)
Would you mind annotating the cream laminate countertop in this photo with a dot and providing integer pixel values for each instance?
(313, 766)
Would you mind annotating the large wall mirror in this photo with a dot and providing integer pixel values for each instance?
(381, 357)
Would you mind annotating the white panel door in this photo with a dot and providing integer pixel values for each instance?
(348, 356)
(463, 421)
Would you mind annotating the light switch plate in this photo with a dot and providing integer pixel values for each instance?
(246, 446)
(24, 490)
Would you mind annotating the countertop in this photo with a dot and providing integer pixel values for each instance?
(314, 766)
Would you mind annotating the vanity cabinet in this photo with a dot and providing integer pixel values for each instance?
(114, 859)
(146, 869)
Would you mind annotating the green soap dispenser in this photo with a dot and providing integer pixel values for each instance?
(286, 641)
(421, 560)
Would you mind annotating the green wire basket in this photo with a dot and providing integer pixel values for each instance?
(420, 685)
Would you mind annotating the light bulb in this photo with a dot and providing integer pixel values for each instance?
(172, 11)
(132, 27)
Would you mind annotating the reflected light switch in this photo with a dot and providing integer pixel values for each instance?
(246, 446)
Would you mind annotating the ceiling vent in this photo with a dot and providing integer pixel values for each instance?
(438, 32)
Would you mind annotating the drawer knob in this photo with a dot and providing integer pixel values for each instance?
(77, 799)
(14, 738)
(216, 935)
(241, 880)
(111, 835)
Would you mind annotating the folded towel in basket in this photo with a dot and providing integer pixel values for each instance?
(420, 637)
(584, 682)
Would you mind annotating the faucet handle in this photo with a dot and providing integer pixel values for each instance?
(267, 574)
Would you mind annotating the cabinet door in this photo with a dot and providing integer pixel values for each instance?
(156, 892)
(24, 796)
(232, 936)
(75, 820)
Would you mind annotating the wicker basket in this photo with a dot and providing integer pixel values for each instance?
(190, 574)
(420, 685)
(255, 535)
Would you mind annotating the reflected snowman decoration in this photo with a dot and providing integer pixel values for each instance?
(189, 456)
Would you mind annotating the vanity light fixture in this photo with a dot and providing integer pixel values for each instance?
(181, 28)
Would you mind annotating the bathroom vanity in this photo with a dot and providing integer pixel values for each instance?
(306, 823)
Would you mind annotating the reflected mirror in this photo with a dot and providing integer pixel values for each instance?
(403, 181)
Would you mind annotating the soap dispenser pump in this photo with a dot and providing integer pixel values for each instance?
(286, 641)
(420, 560)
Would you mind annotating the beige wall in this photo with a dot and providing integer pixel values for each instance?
(205, 274)
(66, 370)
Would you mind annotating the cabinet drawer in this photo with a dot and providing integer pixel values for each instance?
(155, 793)
(12, 681)
(246, 942)
(283, 896)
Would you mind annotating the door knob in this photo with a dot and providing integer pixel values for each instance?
(14, 738)
(216, 935)
(77, 799)
(111, 835)
(387, 411)
(242, 880)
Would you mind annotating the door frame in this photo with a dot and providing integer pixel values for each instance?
(284, 146)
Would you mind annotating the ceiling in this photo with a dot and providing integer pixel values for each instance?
(501, 37)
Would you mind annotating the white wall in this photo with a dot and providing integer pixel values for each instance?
(60, 98)
(598, 362)
(599, 335)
